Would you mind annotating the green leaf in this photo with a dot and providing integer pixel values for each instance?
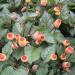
(18, 53)
(51, 23)
(7, 49)
(3, 32)
(42, 70)
(27, 28)
(58, 36)
(65, 15)
(17, 28)
(59, 49)
(18, 3)
(5, 20)
(72, 72)
(72, 40)
(13, 71)
(33, 53)
(51, 72)
(8, 71)
(65, 73)
(44, 19)
(72, 18)
(45, 55)
(2, 64)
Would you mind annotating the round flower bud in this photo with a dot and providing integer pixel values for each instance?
(53, 57)
(24, 58)
(66, 65)
(44, 2)
(10, 36)
(69, 50)
(63, 56)
(57, 23)
(23, 42)
(66, 42)
(2, 57)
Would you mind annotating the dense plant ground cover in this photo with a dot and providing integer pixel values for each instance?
(37, 37)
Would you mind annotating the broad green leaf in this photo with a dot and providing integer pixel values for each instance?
(72, 18)
(59, 49)
(20, 71)
(58, 36)
(72, 58)
(2, 65)
(65, 73)
(8, 71)
(33, 53)
(72, 32)
(17, 28)
(13, 71)
(5, 20)
(42, 70)
(65, 15)
(18, 53)
(72, 71)
(51, 72)
(27, 28)
(3, 32)
(18, 3)
(7, 49)
(72, 40)
(45, 55)
(44, 19)
(51, 23)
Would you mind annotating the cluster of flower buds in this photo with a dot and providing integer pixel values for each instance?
(38, 37)
(57, 10)
(17, 39)
(68, 50)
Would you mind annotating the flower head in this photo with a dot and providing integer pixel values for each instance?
(69, 50)
(22, 41)
(66, 42)
(39, 36)
(2, 57)
(63, 56)
(66, 65)
(44, 2)
(57, 23)
(24, 58)
(53, 57)
(10, 36)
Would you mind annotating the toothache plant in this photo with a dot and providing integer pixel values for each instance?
(37, 37)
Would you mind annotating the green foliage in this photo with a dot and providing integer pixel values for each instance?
(36, 17)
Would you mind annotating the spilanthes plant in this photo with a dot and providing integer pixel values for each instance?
(37, 37)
